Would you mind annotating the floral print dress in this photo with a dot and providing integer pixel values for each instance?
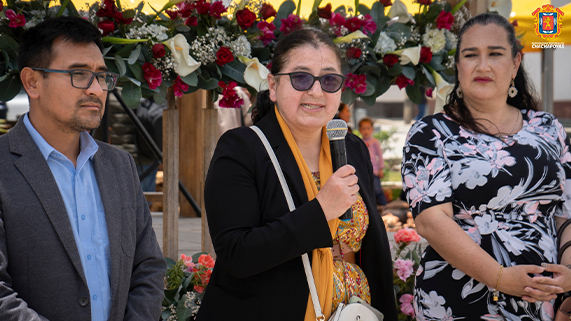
(504, 194)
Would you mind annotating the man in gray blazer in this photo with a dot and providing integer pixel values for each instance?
(76, 240)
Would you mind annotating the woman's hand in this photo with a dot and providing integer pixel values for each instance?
(515, 281)
(561, 277)
(339, 192)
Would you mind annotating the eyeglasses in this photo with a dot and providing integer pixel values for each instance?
(302, 81)
(82, 79)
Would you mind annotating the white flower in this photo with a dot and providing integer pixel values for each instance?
(256, 74)
(180, 49)
(503, 7)
(409, 55)
(385, 44)
(241, 47)
(443, 88)
(435, 39)
(398, 9)
(451, 38)
(156, 32)
(348, 38)
(205, 47)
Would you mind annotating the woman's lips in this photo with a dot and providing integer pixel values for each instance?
(482, 79)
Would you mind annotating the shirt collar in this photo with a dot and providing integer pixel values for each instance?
(87, 144)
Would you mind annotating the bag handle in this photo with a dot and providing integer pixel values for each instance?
(291, 205)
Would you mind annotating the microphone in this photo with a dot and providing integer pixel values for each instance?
(336, 130)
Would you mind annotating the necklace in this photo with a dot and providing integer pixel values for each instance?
(503, 136)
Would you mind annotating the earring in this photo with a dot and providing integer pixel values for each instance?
(459, 92)
(512, 92)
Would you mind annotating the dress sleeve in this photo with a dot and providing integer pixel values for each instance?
(425, 171)
(565, 158)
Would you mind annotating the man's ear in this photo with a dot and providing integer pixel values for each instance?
(31, 82)
(272, 86)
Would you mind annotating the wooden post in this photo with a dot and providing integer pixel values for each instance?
(170, 174)
(210, 138)
(547, 80)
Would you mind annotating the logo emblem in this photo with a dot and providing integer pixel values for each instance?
(548, 21)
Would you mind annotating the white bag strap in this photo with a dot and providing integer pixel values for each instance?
(291, 205)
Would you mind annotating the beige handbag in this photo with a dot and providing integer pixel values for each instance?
(357, 309)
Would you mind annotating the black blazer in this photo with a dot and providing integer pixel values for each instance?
(259, 274)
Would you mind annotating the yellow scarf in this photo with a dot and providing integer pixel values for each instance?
(322, 259)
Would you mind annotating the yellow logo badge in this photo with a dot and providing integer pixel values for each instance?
(548, 21)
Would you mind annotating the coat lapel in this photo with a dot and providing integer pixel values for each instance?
(110, 196)
(37, 173)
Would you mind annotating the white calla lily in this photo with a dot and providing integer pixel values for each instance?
(443, 88)
(398, 9)
(409, 55)
(256, 74)
(180, 50)
(502, 7)
(348, 38)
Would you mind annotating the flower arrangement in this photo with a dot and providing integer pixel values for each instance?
(405, 266)
(193, 44)
(185, 283)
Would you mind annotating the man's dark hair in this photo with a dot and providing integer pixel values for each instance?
(36, 44)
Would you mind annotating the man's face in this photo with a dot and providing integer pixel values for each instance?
(68, 108)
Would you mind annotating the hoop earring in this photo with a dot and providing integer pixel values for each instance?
(512, 92)
(459, 92)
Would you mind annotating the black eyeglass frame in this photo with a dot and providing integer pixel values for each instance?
(93, 75)
(290, 74)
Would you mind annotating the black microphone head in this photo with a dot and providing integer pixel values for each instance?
(336, 129)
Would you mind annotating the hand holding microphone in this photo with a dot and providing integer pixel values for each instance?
(340, 191)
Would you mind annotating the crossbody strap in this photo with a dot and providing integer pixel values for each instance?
(291, 205)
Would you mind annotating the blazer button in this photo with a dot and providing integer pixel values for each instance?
(83, 301)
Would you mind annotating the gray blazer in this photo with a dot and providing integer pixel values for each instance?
(41, 277)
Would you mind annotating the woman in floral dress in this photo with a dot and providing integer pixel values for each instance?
(489, 181)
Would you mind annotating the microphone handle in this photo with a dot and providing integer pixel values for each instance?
(338, 160)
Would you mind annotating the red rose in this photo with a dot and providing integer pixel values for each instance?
(108, 9)
(402, 82)
(406, 235)
(217, 9)
(353, 53)
(230, 99)
(106, 26)
(429, 92)
(324, 12)
(121, 19)
(191, 21)
(386, 3)
(158, 50)
(390, 60)
(353, 24)
(202, 7)
(224, 56)
(185, 9)
(425, 55)
(179, 87)
(245, 18)
(173, 14)
(267, 10)
(152, 75)
(444, 20)
(424, 2)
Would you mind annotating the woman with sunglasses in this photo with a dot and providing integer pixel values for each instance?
(259, 273)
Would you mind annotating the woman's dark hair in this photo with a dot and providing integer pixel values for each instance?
(525, 99)
(36, 44)
(342, 106)
(304, 37)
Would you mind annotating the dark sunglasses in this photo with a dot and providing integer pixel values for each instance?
(303, 81)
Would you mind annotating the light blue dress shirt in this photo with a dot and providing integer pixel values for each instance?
(80, 193)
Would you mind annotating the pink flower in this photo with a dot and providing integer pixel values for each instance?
(425, 55)
(291, 24)
(152, 75)
(356, 82)
(402, 81)
(429, 92)
(353, 24)
(404, 268)
(267, 30)
(206, 259)
(179, 87)
(444, 20)
(217, 9)
(191, 21)
(406, 235)
(202, 7)
(187, 260)
(16, 20)
(406, 305)
(230, 98)
(337, 21)
(368, 25)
